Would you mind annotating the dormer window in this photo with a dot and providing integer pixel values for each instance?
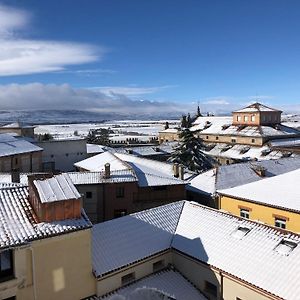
(240, 232)
(285, 247)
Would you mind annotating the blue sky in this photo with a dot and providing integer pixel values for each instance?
(224, 54)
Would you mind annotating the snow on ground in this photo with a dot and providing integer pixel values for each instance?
(129, 127)
(291, 120)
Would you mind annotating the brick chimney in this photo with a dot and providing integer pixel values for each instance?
(54, 198)
(107, 170)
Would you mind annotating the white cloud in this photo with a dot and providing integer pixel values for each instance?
(19, 56)
(217, 102)
(130, 91)
(37, 96)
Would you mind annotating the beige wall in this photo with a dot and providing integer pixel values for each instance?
(113, 281)
(63, 267)
(243, 140)
(168, 137)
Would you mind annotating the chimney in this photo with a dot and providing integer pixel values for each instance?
(54, 198)
(107, 170)
(176, 170)
(181, 172)
(15, 176)
(259, 170)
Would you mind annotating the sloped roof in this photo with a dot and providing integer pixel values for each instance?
(279, 191)
(169, 282)
(98, 177)
(19, 223)
(10, 145)
(229, 176)
(208, 235)
(148, 172)
(96, 163)
(57, 188)
(256, 107)
(122, 241)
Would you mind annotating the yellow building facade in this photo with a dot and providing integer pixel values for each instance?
(274, 216)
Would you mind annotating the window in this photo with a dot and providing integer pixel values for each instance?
(244, 213)
(280, 223)
(252, 118)
(246, 118)
(128, 278)
(240, 232)
(120, 192)
(233, 140)
(253, 141)
(158, 265)
(210, 288)
(227, 161)
(16, 160)
(6, 265)
(207, 137)
(238, 118)
(88, 195)
(217, 137)
(120, 213)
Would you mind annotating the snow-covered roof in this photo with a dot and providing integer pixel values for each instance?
(279, 191)
(204, 183)
(169, 282)
(97, 162)
(98, 177)
(133, 237)
(149, 166)
(228, 176)
(19, 224)
(285, 143)
(244, 152)
(93, 148)
(57, 188)
(10, 145)
(256, 107)
(170, 130)
(210, 236)
(202, 123)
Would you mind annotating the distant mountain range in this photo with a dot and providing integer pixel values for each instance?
(73, 116)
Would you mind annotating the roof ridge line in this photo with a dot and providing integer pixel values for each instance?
(173, 235)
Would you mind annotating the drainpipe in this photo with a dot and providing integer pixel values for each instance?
(33, 273)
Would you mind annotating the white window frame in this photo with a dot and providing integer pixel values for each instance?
(245, 213)
(280, 223)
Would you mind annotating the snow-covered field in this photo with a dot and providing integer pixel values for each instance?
(122, 128)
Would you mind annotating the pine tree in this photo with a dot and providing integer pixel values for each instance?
(198, 111)
(98, 136)
(167, 125)
(188, 121)
(183, 122)
(190, 153)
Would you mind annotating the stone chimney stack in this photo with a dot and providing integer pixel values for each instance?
(181, 172)
(107, 170)
(176, 170)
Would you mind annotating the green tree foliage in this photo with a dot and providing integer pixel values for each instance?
(190, 153)
(98, 136)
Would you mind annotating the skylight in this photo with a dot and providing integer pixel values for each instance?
(240, 232)
(285, 247)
